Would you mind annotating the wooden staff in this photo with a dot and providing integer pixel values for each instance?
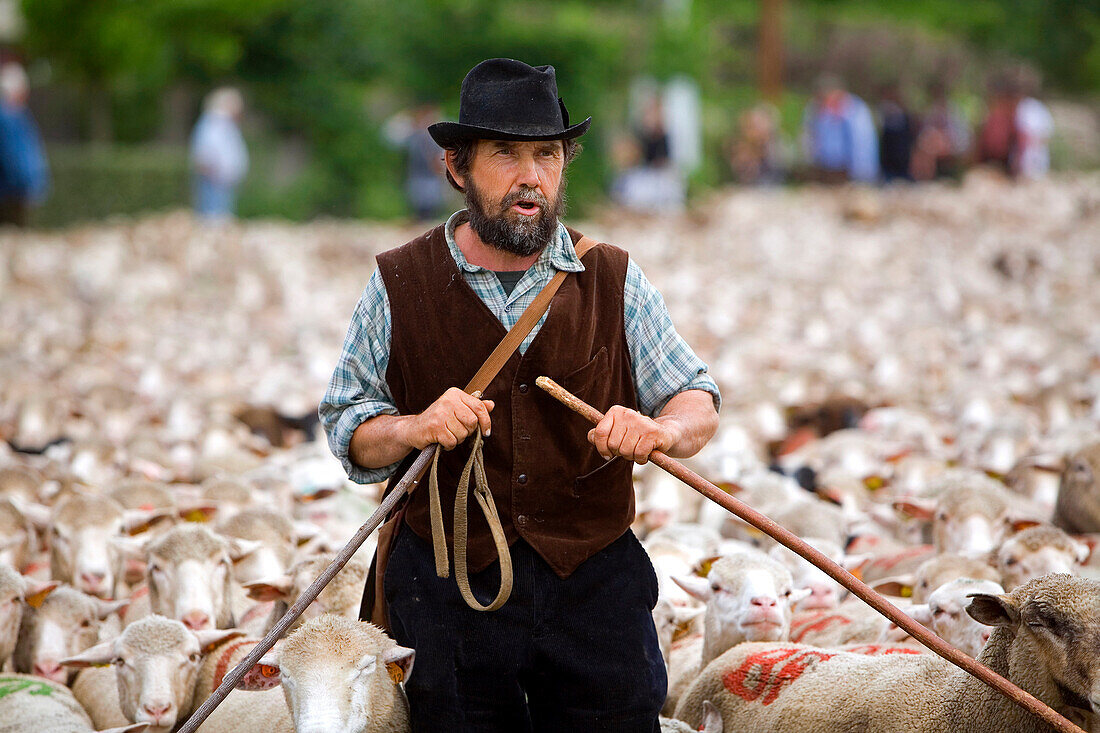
(836, 572)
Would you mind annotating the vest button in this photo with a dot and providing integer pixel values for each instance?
(523, 388)
(521, 520)
(521, 479)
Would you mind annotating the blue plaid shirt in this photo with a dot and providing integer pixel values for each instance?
(661, 361)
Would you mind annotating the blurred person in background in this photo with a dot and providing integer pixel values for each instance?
(218, 154)
(424, 165)
(756, 154)
(1034, 126)
(997, 135)
(838, 135)
(656, 184)
(24, 174)
(899, 132)
(943, 139)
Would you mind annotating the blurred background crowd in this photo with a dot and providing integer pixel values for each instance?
(280, 108)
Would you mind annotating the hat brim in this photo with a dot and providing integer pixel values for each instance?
(448, 134)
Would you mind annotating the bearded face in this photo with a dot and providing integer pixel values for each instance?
(502, 223)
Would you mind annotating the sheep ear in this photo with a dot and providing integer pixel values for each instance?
(240, 548)
(209, 639)
(275, 589)
(136, 521)
(695, 586)
(130, 547)
(1019, 525)
(923, 509)
(993, 610)
(399, 662)
(899, 585)
(312, 496)
(921, 613)
(199, 510)
(712, 718)
(99, 655)
(1083, 551)
(264, 675)
(34, 593)
(106, 608)
(799, 594)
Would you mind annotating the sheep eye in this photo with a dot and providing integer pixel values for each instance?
(714, 587)
(85, 624)
(1011, 561)
(787, 594)
(118, 661)
(195, 657)
(938, 612)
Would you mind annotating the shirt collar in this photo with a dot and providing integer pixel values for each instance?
(559, 254)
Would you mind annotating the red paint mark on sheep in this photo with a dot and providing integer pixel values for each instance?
(762, 676)
(225, 659)
(886, 563)
(878, 650)
(818, 622)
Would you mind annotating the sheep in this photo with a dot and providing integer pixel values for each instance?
(934, 572)
(1077, 509)
(966, 520)
(945, 613)
(153, 667)
(188, 576)
(825, 592)
(65, 623)
(340, 676)
(748, 597)
(275, 535)
(17, 535)
(341, 596)
(853, 622)
(1044, 637)
(1038, 551)
(81, 553)
(32, 703)
(15, 591)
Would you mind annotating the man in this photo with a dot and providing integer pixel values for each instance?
(838, 133)
(574, 647)
(24, 174)
(218, 154)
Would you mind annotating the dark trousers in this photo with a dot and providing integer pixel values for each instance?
(579, 654)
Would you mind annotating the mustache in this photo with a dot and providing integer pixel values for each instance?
(528, 194)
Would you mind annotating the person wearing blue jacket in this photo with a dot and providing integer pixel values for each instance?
(24, 173)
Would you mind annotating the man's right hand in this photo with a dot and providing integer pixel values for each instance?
(447, 421)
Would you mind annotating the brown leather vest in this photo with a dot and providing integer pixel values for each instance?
(550, 485)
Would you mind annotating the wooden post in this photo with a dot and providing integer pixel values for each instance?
(770, 49)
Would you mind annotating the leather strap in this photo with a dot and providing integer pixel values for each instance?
(476, 463)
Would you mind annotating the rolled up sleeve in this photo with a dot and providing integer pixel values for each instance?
(663, 363)
(357, 390)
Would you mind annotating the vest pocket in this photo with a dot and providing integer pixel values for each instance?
(580, 382)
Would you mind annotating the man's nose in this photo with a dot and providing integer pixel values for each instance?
(528, 173)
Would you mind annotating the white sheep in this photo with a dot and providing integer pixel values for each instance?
(945, 613)
(81, 551)
(1077, 509)
(1038, 551)
(340, 676)
(34, 704)
(342, 596)
(16, 591)
(65, 623)
(1044, 637)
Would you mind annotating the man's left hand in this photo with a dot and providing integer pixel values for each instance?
(632, 435)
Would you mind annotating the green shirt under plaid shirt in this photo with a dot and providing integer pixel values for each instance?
(662, 363)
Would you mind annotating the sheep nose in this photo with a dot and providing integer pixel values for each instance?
(196, 620)
(765, 601)
(92, 581)
(48, 669)
(985, 636)
(157, 710)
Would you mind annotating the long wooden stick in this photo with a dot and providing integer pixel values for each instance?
(407, 482)
(836, 572)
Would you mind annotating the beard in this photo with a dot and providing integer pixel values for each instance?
(501, 227)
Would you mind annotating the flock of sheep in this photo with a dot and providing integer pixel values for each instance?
(910, 383)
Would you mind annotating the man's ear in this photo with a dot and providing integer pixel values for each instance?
(448, 158)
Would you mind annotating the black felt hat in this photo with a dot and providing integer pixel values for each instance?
(504, 99)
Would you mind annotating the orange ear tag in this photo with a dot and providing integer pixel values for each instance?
(397, 674)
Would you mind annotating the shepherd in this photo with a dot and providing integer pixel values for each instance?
(569, 643)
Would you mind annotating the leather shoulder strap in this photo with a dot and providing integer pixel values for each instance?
(527, 320)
